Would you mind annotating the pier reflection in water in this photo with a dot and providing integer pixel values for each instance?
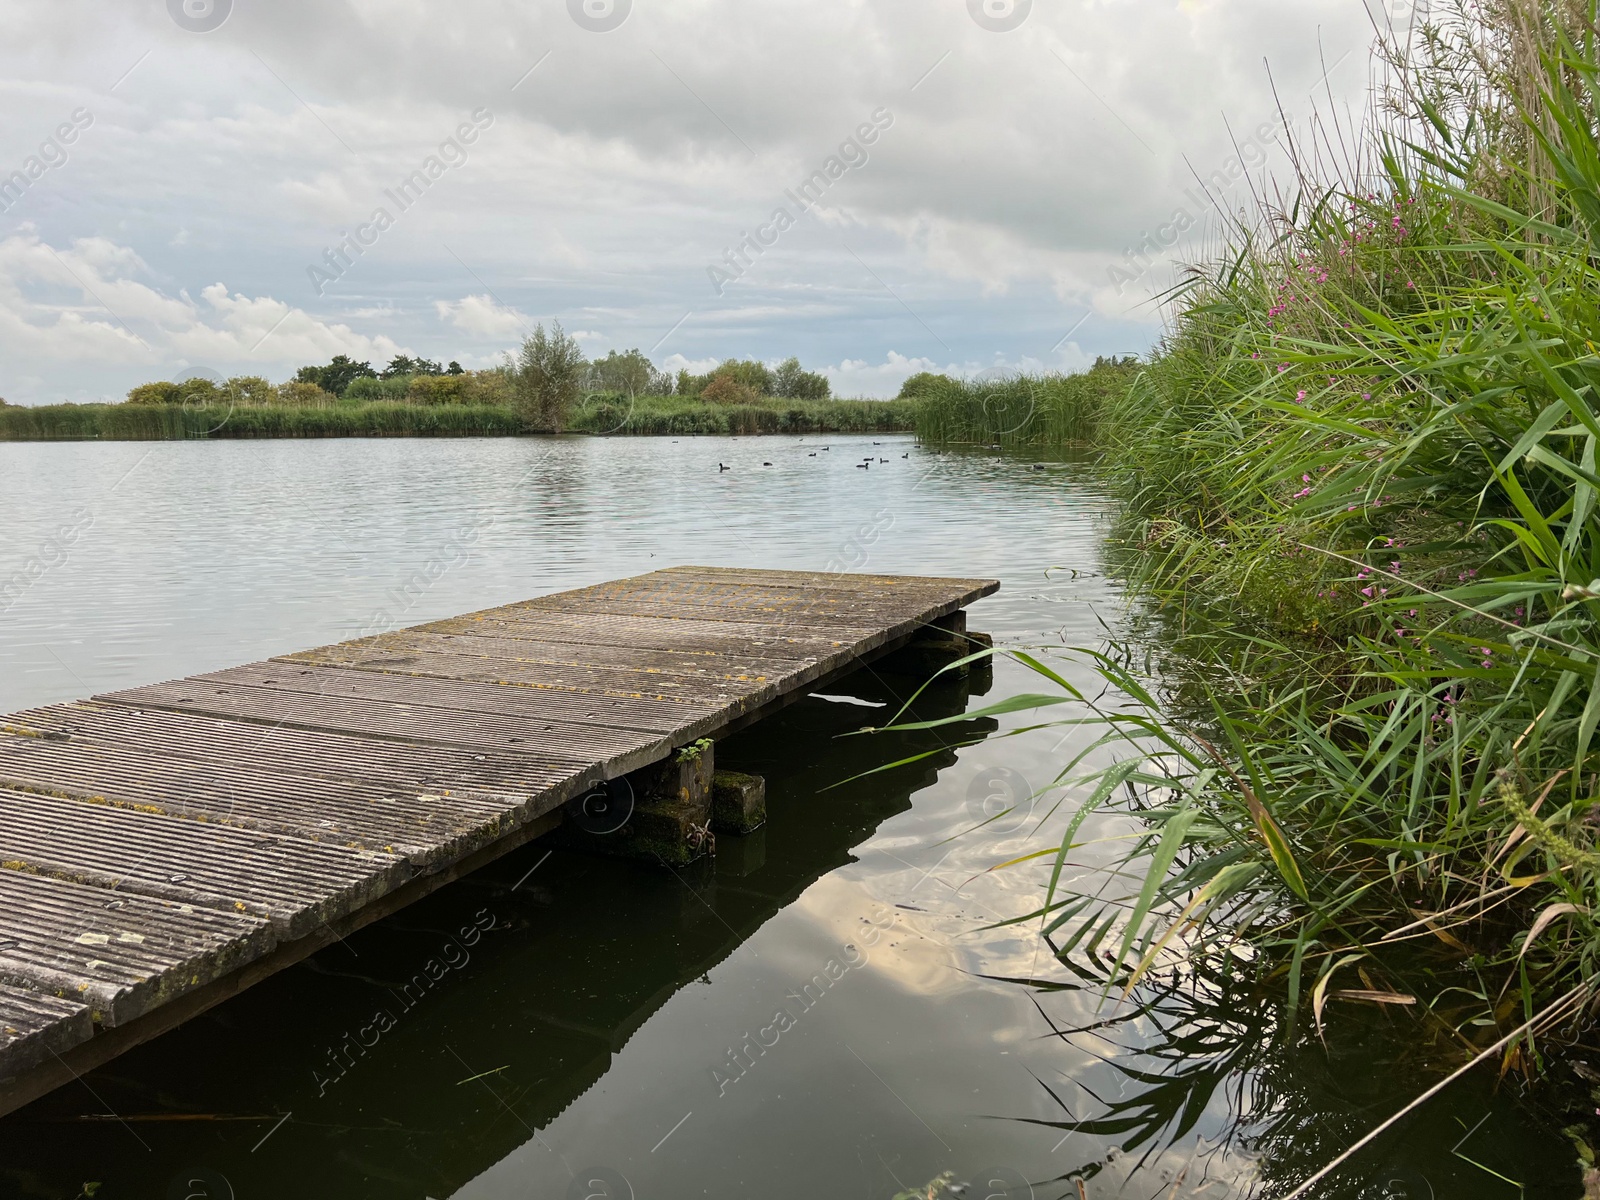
(430, 1045)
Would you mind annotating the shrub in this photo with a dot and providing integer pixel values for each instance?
(437, 389)
(726, 389)
(159, 392)
(549, 378)
(300, 394)
(493, 387)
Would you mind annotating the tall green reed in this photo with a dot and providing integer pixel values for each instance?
(1360, 499)
(1018, 410)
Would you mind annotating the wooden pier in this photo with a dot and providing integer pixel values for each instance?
(164, 848)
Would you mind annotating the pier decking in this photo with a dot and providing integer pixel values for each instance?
(163, 848)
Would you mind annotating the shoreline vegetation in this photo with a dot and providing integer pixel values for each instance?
(1358, 719)
(548, 387)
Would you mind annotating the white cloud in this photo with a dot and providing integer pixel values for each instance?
(81, 304)
(674, 363)
(1018, 171)
(482, 316)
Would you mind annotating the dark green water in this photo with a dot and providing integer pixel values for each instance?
(823, 1011)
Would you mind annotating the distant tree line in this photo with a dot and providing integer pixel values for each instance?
(543, 381)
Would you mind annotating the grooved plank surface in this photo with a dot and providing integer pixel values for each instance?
(682, 634)
(157, 840)
(323, 753)
(296, 884)
(248, 696)
(429, 826)
(35, 1026)
(694, 663)
(122, 955)
(534, 706)
(642, 683)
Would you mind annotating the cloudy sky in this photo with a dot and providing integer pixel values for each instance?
(196, 184)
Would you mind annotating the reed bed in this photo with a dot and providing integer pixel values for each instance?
(1019, 410)
(1360, 483)
(134, 422)
(689, 415)
(596, 414)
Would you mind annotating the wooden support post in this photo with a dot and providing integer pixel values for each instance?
(981, 678)
(658, 813)
(738, 802)
(937, 645)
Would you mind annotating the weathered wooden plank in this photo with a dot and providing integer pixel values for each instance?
(536, 706)
(751, 589)
(862, 590)
(282, 706)
(699, 664)
(425, 827)
(651, 633)
(324, 754)
(67, 939)
(676, 687)
(295, 884)
(816, 612)
(35, 1026)
(964, 590)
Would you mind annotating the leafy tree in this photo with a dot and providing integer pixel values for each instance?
(455, 368)
(337, 376)
(792, 382)
(923, 383)
(251, 390)
(630, 372)
(404, 365)
(754, 375)
(159, 392)
(199, 390)
(549, 377)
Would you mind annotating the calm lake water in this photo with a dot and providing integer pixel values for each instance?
(586, 1048)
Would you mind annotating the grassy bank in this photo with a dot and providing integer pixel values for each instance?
(1359, 482)
(1369, 444)
(596, 414)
